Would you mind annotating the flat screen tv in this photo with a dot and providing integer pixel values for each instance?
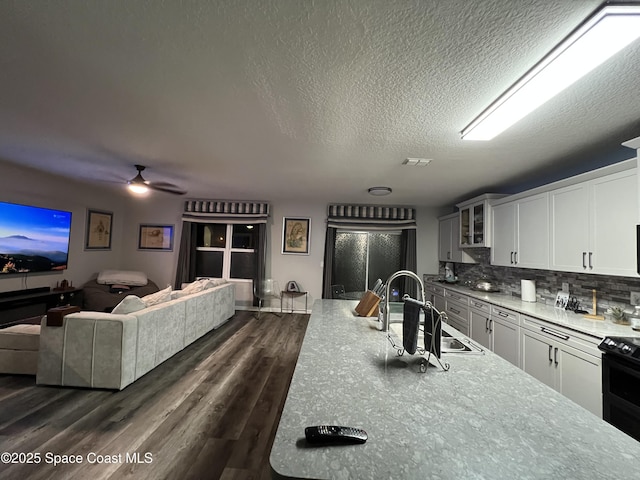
(33, 239)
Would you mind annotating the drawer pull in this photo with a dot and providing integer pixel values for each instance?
(479, 305)
(502, 314)
(457, 312)
(554, 334)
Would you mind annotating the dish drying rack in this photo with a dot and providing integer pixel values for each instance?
(436, 321)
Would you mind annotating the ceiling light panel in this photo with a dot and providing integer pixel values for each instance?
(603, 35)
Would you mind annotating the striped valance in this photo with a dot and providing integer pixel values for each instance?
(225, 211)
(370, 216)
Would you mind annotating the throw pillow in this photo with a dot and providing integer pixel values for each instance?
(158, 297)
(129, 304)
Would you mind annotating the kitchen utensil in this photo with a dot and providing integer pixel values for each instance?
(594, 316)
(485, 285)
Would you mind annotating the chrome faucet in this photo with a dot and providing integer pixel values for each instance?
(392, 277)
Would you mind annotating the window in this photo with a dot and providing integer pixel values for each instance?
(226, 250)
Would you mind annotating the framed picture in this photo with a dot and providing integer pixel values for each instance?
(562, 299)
(156, 237)
(98, 230)
(295, 235)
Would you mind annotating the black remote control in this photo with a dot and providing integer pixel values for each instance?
(333, 434)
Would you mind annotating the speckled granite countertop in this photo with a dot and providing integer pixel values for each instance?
(483, 419)
(568, 319)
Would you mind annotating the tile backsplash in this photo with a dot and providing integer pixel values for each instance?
(611, 290)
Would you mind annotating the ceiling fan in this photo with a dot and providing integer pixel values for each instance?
(139, 185)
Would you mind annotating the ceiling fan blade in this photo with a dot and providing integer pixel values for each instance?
(168, 189)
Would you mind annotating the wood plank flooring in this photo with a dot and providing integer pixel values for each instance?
(209, 412)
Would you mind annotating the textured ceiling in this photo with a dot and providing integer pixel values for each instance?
(299, 100)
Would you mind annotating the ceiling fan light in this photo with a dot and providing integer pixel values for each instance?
(138, 188)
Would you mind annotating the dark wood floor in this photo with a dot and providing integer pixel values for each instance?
(209, 412)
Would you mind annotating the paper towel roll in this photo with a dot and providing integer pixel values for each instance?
(528, 289)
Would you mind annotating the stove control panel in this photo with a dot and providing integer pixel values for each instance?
(628, 347)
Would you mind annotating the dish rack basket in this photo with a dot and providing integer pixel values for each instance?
(430, 311)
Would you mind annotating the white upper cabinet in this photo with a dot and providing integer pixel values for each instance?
(521, 233)
(475, 221)
(593, 225)
(448, 249)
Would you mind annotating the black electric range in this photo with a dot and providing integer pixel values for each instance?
(621, 383)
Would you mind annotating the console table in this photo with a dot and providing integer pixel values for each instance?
(292, 295)
(18, 305)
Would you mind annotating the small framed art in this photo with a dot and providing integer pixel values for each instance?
(156, 237)
(98, 236)
(295, 235)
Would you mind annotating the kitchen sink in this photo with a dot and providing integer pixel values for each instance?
(450, 343)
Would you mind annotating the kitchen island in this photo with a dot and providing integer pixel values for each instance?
(484, 418)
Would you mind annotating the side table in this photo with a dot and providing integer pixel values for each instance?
(292, 295)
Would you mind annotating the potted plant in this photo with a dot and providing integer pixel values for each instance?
(618, 315)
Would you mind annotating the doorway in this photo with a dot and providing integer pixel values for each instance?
(360, 258)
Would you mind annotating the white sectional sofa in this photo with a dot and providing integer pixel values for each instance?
(112, 350)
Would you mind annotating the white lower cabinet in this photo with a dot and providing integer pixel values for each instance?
(457, 308)
(563, 361)
(496, 329)
(505, 327)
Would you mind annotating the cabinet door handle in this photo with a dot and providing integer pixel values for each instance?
(511, 258)
(590, 264)
(448, 255)
(584, 260)
(515, 257)
(491, 326)
(550, 359)
(486, 325)
(555, 356)
(555, 334)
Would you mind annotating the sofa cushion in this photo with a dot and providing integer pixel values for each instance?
(158, 297)
(129, 304)
(191, 288)
(20, 337)
(122, 277)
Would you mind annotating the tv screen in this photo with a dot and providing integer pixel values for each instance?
(33, 239)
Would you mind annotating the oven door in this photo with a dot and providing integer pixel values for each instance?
(621, 394)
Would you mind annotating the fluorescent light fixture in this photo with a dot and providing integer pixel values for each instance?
(601, 36)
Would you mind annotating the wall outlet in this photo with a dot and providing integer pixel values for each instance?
(565, 287)
(635, 298)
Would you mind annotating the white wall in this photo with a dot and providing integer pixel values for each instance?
(28, 187)
(152, 209)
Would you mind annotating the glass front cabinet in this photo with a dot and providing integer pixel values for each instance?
(475, 221)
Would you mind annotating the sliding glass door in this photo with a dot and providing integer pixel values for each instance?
(360, 258)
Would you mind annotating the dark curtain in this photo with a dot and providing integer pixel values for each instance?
(261, 258)
(329, 245)
(186, 268)
(410, 259)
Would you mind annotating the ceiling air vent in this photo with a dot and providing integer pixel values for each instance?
(417, 162)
